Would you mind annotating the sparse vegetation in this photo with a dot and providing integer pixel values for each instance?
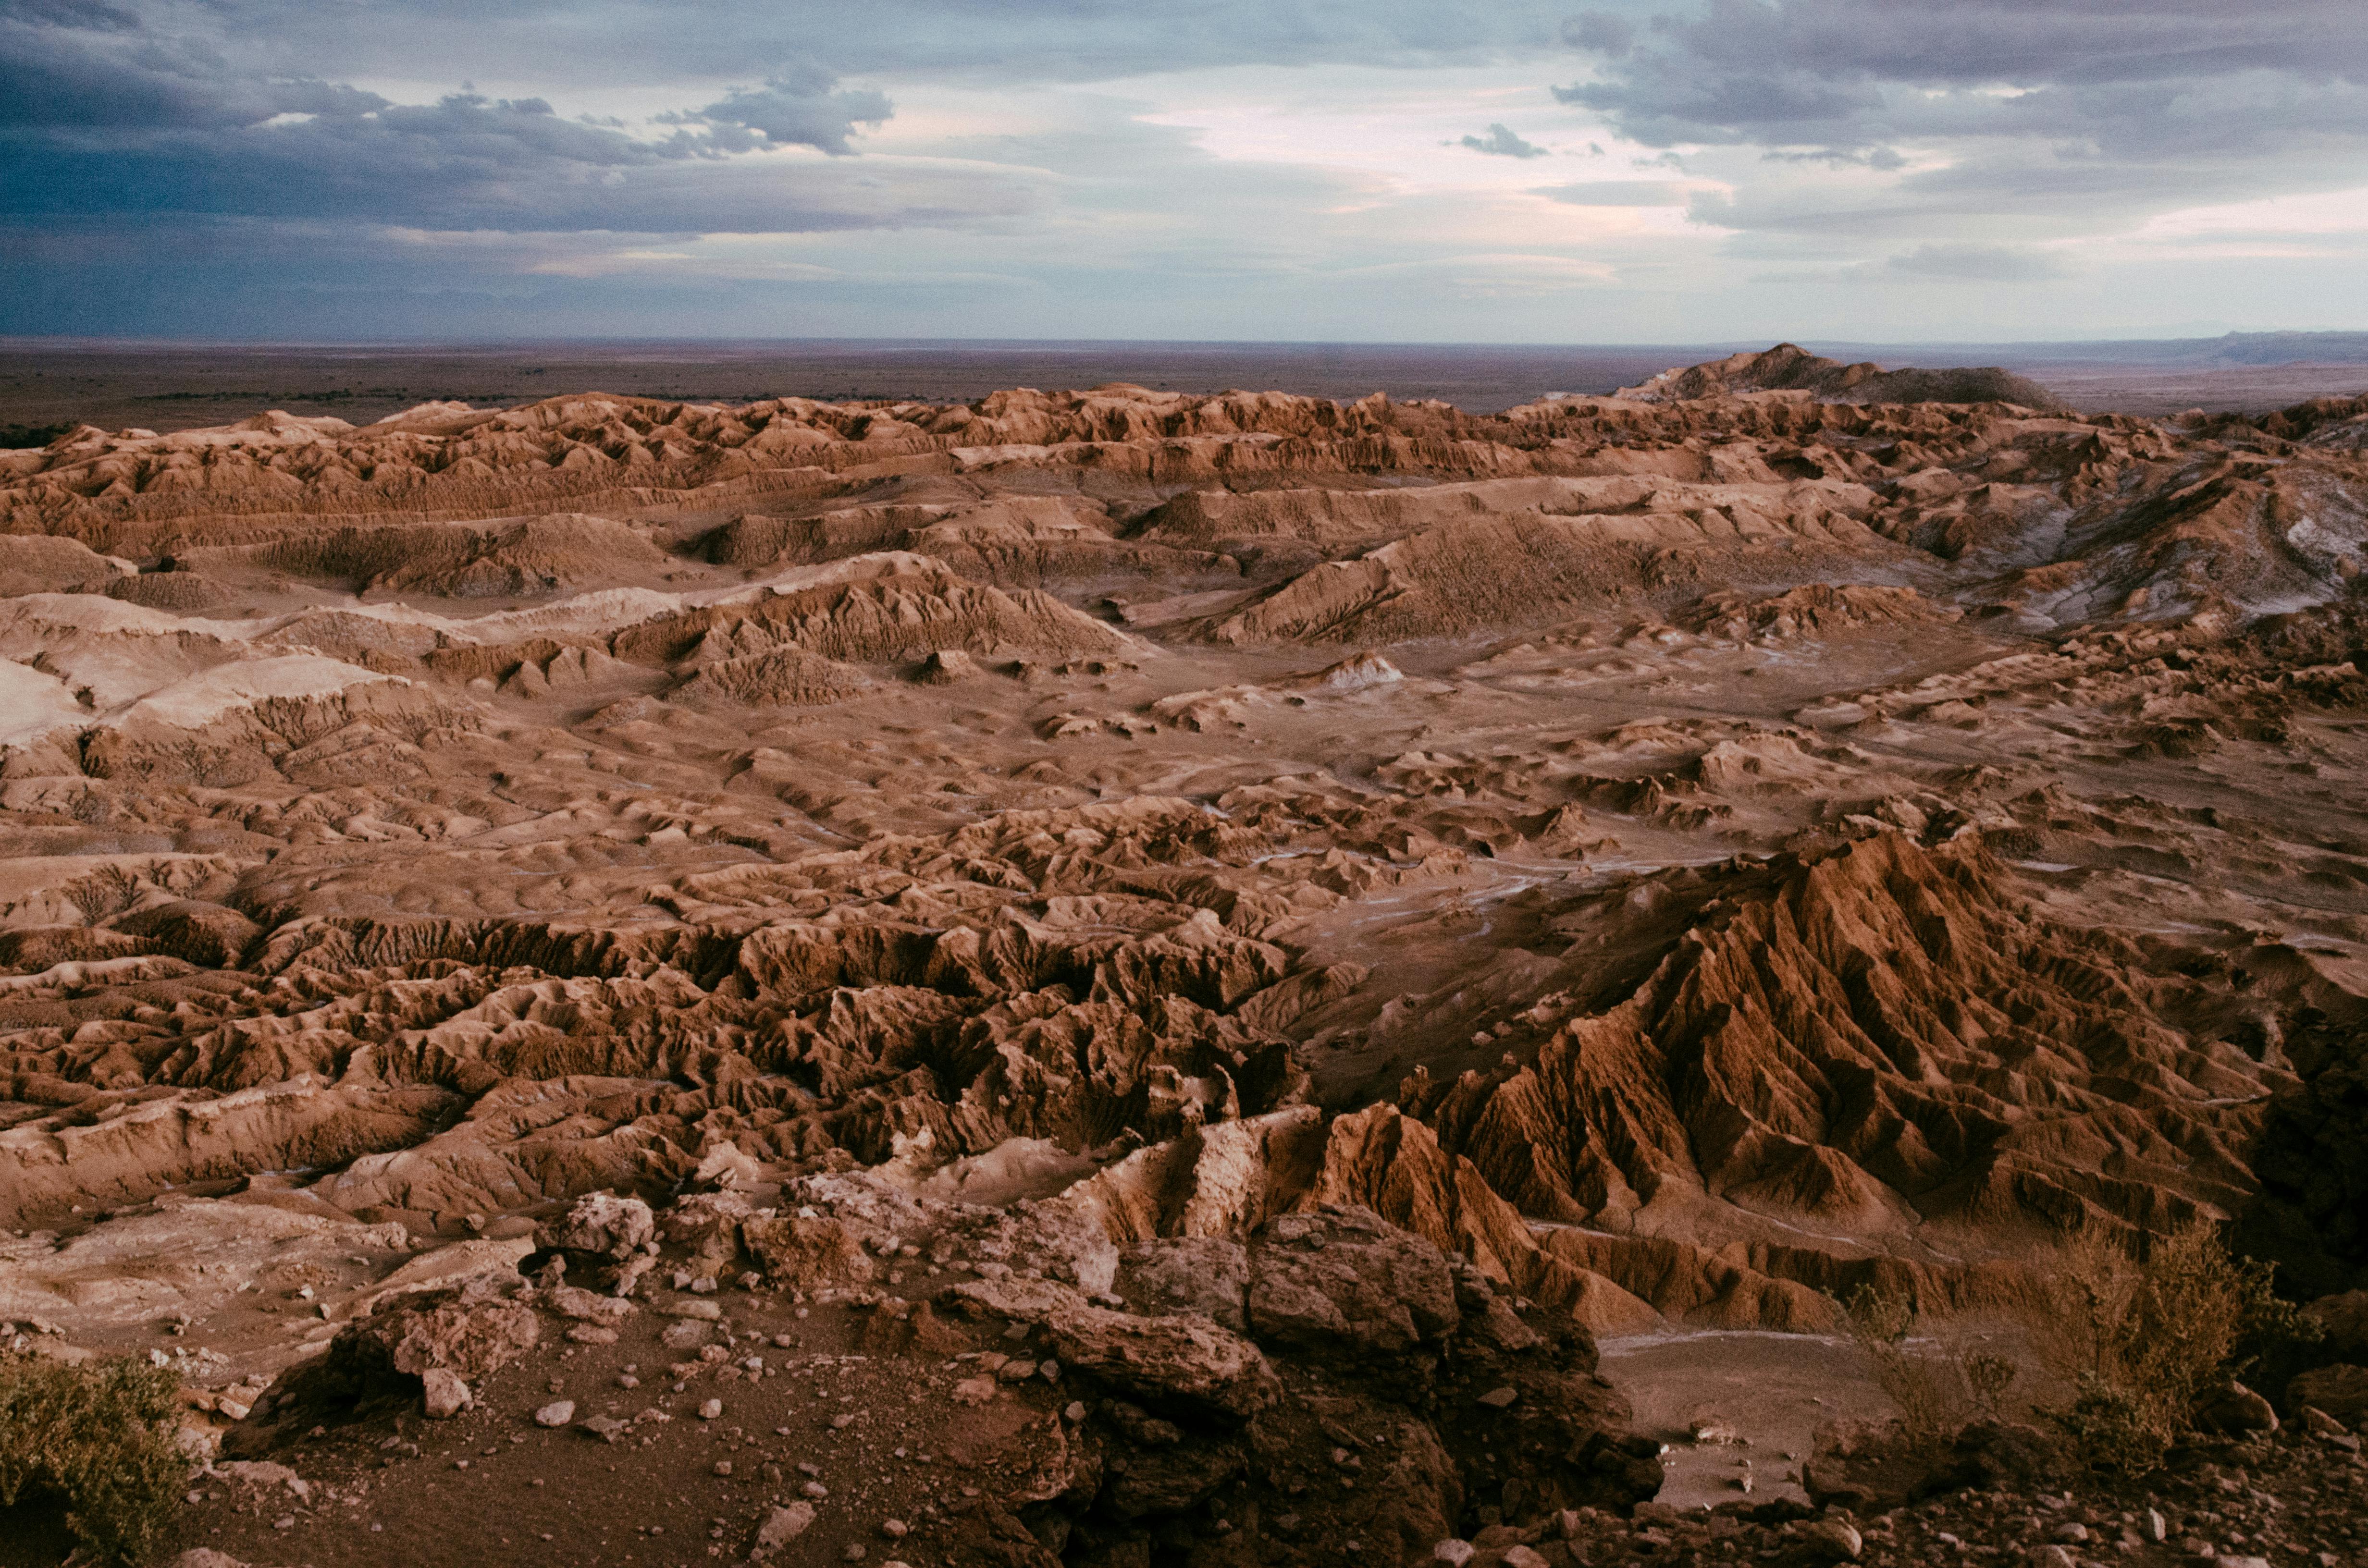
(97, 1441)
(2139, 1337)
(2144, 1335)
(1938, 1379)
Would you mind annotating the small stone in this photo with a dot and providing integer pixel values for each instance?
(1521, 1557)
(1455, 1553)
(558, 1412)
(627, 1380)
(2072, 1532)
(855, 1552)
(783, 1526)
(842, 1421)
(895, 1529)
(723, 1466)
(1498, 1399)
(974, 1391)
(1711, 1430)
(2156, 1528)
(815, 1489)
(2053, 1557)
(710, 1409)
(608, 1428)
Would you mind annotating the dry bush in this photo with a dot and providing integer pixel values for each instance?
(96, 1440)
(2142, 1336)
(1939, 1381)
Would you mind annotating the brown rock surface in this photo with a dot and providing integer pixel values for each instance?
(1294, 915)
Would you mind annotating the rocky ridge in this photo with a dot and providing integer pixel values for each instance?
(1661, 862)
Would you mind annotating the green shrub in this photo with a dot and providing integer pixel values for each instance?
(96, 1441)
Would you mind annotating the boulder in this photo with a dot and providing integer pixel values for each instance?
(2340, 1390)
(802, 1254)
(602, 1223)
(2232, 1410)
(1344, 1280)
(1206, 1274)
(444, 1393)
(1178, 1361)
(470, 1339)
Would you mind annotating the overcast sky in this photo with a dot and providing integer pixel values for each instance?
(1371, 170)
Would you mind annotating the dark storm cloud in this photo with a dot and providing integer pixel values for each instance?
(244, 108)
(99, 115)
(1502, 142)
(93, 71)
(997, 41)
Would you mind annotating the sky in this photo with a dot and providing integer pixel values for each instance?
(1667, 171)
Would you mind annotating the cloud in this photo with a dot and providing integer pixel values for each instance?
(801, 108)
(992, 42)
(1619, 193)
(1855, 73)
(102, 115)
(1979, 264)
(1501, 143)
(662, 153)
(1600, 32)
(1961, 123)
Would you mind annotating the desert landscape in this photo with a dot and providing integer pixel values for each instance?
(1138, 977)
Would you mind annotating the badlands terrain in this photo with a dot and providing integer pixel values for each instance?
(1117, 977)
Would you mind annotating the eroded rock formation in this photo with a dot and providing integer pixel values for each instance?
(1331, 907)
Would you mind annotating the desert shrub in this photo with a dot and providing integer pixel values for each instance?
(2111, 1430)
(2143, 1336)
(96, 1441)
(1938, 1380)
